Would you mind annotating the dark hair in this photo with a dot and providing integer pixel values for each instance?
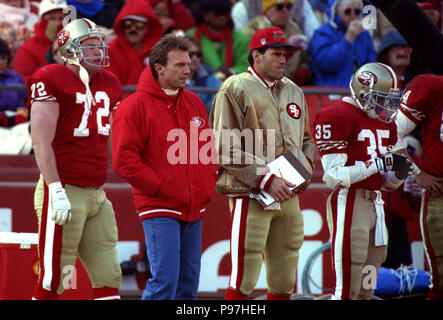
(261, 50)
(213, 6)
(159, 53)
(4, 50)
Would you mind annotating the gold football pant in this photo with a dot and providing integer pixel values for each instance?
(351, 219)
(273, 235)
(91, 233)
(431, 223)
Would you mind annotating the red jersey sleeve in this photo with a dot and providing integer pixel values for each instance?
(417, 100)
(41, 86)
(331, 131)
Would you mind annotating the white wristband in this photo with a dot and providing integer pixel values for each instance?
(55, 185)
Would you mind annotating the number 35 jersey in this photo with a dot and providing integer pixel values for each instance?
(80, 142)
(346, 129)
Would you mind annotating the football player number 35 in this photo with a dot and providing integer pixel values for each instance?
(375, 140)
(323, 131)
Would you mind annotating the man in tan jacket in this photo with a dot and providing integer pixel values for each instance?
(265, 115)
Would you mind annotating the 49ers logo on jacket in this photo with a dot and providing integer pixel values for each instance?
(62, 38)
(198, 122)
(294, 110)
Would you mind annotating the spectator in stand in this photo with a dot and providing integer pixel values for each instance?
(339, 47)
(16, 23)
(201, 74)
(396, 53)
(277, 13)
(173, 15)
(12, 103)
(225, 50)
(103, 13)
(54, 55)
(31, 55)
(431, 8)
(321, 9)
(302, 13)
(138, 30)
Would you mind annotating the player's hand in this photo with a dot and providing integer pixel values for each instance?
(398, 163)
(61, 206)
(279, 189)
(432, 184)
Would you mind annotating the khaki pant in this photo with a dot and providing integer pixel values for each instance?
(431, 223)
(273, 235)
(91, 233)
(356, 260)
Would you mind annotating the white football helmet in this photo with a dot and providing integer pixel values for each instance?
(374, 88)
(69, 41)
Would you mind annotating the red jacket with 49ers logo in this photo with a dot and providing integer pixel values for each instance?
(165, 150)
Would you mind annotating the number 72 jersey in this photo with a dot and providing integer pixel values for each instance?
(80, 142)
(346, 129)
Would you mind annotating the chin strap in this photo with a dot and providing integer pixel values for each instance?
(84, 77)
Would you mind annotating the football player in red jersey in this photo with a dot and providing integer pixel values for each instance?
(356, 139)
(71, 107)
(422, 104)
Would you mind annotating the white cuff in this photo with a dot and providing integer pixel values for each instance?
(55, 185)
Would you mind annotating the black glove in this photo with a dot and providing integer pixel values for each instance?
(394, 162)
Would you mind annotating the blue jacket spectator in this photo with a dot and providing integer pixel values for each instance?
(12, 103)
(340, 46)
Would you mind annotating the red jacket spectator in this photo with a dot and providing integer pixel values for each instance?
(126, 62)
(31, 55)
(173, 14)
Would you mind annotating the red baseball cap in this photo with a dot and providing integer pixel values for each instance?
(271, 37)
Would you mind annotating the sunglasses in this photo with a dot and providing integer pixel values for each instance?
(133, 23)
(280, 6)
(195, 53)
(348, 11)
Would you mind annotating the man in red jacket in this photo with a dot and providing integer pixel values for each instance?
(152, 132)
(31, 55)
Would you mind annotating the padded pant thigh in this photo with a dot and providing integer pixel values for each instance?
(281, 254)
(98, 248)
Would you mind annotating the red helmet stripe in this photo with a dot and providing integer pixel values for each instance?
(87, 22)
(393, 77)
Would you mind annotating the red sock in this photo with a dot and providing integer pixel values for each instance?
(232, 294)
(271, 296)
(434, 295)
(105, 293)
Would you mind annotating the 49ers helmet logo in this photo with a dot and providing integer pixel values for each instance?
(367, 77)
(62, 38)
(294, 110)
